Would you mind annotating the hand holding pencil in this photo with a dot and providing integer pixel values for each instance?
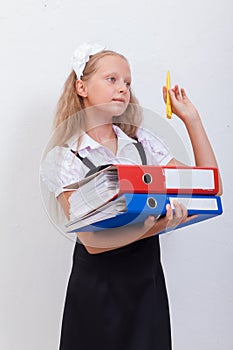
(177, 102)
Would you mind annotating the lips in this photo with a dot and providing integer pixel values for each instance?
(122, 100)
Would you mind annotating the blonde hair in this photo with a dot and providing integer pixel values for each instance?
(69, 113)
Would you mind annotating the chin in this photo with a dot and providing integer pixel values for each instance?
(113, 109)
(118, 108)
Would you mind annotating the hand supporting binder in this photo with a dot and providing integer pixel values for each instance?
(135, 208)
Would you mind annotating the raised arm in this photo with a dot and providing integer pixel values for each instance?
(186, 111)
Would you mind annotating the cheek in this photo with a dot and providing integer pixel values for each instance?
(99, 96)
(104, 92)
(128, 97)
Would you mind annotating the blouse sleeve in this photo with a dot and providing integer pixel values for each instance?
(59, 168)
(157, 151)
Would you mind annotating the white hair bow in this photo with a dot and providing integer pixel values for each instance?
(82, 54)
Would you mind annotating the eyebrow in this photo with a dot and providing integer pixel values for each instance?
(115, 73)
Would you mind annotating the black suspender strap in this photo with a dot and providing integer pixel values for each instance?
(141, 152)
(85, 161)
(91, 166)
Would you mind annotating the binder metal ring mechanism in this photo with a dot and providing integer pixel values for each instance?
(147, 178)
(151, 202)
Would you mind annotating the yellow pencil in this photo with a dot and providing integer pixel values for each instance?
(168, 100)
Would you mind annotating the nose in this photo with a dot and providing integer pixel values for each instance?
(122, 87)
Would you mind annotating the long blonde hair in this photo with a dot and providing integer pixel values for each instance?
(69, 113)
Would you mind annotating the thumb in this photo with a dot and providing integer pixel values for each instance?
(150, 221)
(164, 91)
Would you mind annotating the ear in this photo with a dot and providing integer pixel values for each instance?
(81, 88)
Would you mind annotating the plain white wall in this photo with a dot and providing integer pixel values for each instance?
(194, 41)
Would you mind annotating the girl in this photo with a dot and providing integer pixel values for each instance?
(116, 297)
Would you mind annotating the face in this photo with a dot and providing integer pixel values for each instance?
(108, 89)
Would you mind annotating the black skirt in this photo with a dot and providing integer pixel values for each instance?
(117, 300)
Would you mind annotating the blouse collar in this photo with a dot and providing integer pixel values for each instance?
(87, 143)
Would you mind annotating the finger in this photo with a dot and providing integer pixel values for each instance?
(191, 217)
(164, 90)
(178, 212)
(183, 93)
(168, 219)
(177, 92)
(174, 96)
(149, 222)
(184, 213)
(169, 212)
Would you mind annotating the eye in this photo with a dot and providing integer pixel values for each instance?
(111, 79)
(128, 84)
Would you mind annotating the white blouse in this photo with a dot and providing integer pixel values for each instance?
(62, 167)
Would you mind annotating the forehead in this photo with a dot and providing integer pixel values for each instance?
(113, 63)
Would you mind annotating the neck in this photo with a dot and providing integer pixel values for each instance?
(105, 135)
(101, 133)
(99, 125)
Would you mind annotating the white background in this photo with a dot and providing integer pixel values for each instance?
(194, 41)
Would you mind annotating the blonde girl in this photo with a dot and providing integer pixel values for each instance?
(116, 296)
